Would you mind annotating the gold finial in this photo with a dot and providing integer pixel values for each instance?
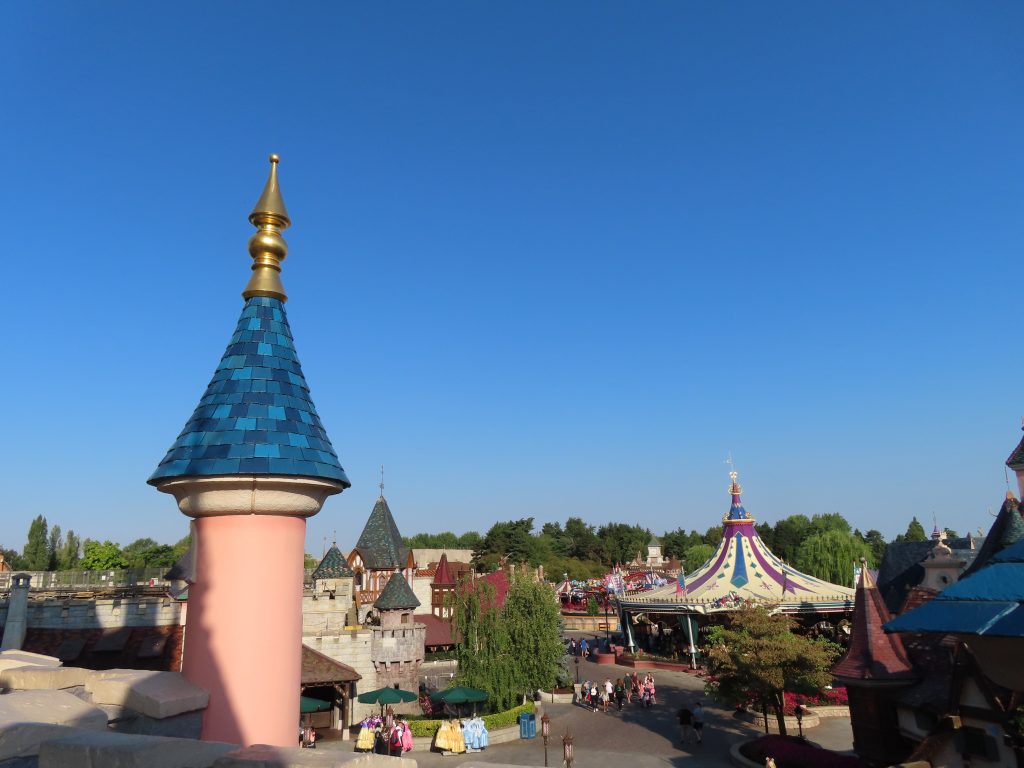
(267, 247)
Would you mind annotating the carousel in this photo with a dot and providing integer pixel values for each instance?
(742, 571)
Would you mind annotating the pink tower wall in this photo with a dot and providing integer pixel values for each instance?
(247, 658)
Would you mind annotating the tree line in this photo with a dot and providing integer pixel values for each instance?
(48, 548)
(824, 545)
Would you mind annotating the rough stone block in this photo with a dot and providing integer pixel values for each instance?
(188, 725)
(154, 694)
(28, 718)
(119, 750)
(34, 677)
(12, 659)
(266, 756)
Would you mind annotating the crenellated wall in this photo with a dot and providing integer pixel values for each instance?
(98, 613)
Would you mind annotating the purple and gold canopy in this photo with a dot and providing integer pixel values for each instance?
(742, 570)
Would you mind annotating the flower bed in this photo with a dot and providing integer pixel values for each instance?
(791, 752)
(832, 697)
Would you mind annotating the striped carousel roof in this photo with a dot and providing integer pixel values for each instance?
(742, 570)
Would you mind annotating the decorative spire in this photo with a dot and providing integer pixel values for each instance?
(736, 511)
(267, 247)
(381, 486)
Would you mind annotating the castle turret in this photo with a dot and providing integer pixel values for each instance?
(1016, 463)
(442, 589)
(252, 463)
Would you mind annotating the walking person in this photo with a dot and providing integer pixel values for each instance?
(572, 645)
(686, 728)
(620, 693)
(584, 648)
(609, 689)
(698, 722)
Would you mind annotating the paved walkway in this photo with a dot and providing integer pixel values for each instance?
(635, 737)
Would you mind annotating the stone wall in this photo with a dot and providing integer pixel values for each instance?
(99, 613)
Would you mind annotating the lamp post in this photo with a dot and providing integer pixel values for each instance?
(567, 749)
(800, 716)
(577, 660)
(607, 631)
(545, 731)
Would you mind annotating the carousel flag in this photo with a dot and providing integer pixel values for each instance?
(681, 584)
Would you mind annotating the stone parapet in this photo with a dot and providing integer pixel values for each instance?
(154, 694)
(29, 718)
(264, 756)
(119, 750)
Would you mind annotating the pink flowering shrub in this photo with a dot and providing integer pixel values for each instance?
(827, 698)
(791, 752)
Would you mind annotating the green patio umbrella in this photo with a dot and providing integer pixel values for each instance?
(460, 694)
(384, 696)
(308, 704)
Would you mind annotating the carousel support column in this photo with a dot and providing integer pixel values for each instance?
(245, 638)
(689, 633)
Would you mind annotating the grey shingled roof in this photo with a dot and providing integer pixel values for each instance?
(380, 544)
(1016, 460)
(333, 566)
(397, 595)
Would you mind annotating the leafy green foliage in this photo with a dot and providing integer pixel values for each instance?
(915, 532)
(36, 554)
(513, 538)
(102, 556)
(592, 608)
(69, 552)
(147, 553)
(619, 543)
(832, 556)
(443, 540)
(675, 543)
(512, 650)
(757, 657)
(697, 555)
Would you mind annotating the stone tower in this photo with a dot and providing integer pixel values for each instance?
(398, 642)
(251, 464)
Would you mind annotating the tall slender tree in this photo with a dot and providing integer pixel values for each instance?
(36, 555)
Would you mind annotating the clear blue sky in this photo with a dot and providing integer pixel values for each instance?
(548, 259)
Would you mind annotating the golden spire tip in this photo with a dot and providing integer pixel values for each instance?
(267, 247)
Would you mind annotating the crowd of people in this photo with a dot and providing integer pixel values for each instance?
(624, 690)
(390, 736)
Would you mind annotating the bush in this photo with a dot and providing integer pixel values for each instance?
(791, 752)
(426, 728)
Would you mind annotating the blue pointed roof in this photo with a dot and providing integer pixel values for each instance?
(256, 416)
(988, 602)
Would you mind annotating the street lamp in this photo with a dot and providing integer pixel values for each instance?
(567, 749)
(800, 716)
(577, 660)
(545, 731)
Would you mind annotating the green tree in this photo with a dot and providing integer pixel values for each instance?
(482, 651)
(829, 521)
(758, 656)
(53, 545)
(713, 535)
(675, 543)
(533, 625)
(831, 556)
(511, 650)
(592, 607)
(182, 546)
(876, 541)
(147, 553)
(582, 540)
(620, 542)
(697, 555)
(915, 531)
(102, 556)
(36, 555)
(69, 552)
(788, 535)
(513, 538)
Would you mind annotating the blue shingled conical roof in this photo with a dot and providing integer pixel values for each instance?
(256, 416)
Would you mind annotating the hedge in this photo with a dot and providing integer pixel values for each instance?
(423, 728)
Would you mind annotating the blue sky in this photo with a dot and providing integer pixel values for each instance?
(546, 260)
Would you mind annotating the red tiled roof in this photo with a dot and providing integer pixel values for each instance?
(917, 596)
(873, 654)
(439, 631)
(155, 648)
(444, 575)
(499, 580)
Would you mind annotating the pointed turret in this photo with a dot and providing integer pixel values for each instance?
(333, 566)
(873, 655)
(443, 575)
(397, 595)
(380, 544)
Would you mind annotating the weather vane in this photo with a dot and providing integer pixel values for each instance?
(382, 480)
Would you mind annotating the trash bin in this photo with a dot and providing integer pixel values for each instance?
(527, 725)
